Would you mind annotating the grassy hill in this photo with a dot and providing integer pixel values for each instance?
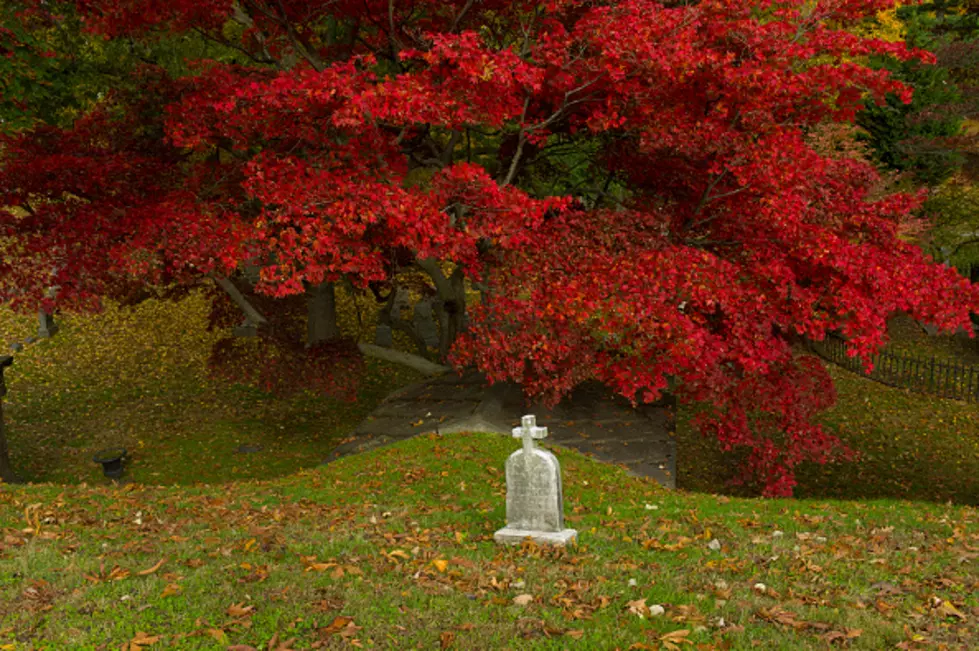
(394, 549)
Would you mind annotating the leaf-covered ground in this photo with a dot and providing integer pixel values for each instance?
(911, 446)
(138, 378)
(394, 549)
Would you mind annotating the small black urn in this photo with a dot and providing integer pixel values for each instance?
(111, 460)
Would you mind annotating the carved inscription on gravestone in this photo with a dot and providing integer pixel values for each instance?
(534, 501)
(534, 493)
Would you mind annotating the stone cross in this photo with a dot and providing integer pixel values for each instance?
(529, 432)
(534, 502)
(46, 326)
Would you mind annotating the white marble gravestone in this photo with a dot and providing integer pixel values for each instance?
(534, 503)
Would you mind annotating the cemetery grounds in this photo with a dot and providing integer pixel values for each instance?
(211, 547)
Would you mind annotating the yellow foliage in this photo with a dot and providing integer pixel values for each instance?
(887, 26)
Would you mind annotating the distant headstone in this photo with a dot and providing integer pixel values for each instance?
(246, 329)
(424, 322)
(401, 302)
(46, 327)
(534, 501)
(383, 336)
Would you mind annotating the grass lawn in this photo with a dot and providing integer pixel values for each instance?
(394, 549)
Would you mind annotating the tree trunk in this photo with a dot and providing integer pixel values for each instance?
(391, 317)
(454, 309)
(321, 323)
(251, 314)
(451, 306)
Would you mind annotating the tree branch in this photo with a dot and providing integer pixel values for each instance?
(253, 315)
(461, 15)
(521, 141)
(420, 364)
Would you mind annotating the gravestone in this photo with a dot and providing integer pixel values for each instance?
(401, 303)
(246, 329)
(424, 321)
(383, 336)
(534, 502)
(46, 327)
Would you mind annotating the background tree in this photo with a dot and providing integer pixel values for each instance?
(629, 183)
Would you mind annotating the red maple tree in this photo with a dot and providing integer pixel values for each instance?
(629, 183)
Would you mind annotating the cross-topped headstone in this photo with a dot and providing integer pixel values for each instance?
(529, 432)
(46, 326)
(534, 502)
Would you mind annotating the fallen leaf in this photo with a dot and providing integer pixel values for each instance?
(638, 608)
(171, 589)
(117, 574)
(446, 639)
(672, 641)
(219, 635)
(154, 568)
(337, 625)
(240, 610)
(523, 600)
(946, 609)
(141, 640)
(441, 565)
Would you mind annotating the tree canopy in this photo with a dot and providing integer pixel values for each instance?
(630, 184)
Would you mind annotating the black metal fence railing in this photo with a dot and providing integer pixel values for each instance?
(935, 377)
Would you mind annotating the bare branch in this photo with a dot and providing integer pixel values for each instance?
(461, 15)
(521, 141)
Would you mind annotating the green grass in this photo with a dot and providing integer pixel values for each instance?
(394, 549)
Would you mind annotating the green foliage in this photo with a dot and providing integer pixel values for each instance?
(908, 137)
(920, 138)
(52, 69)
